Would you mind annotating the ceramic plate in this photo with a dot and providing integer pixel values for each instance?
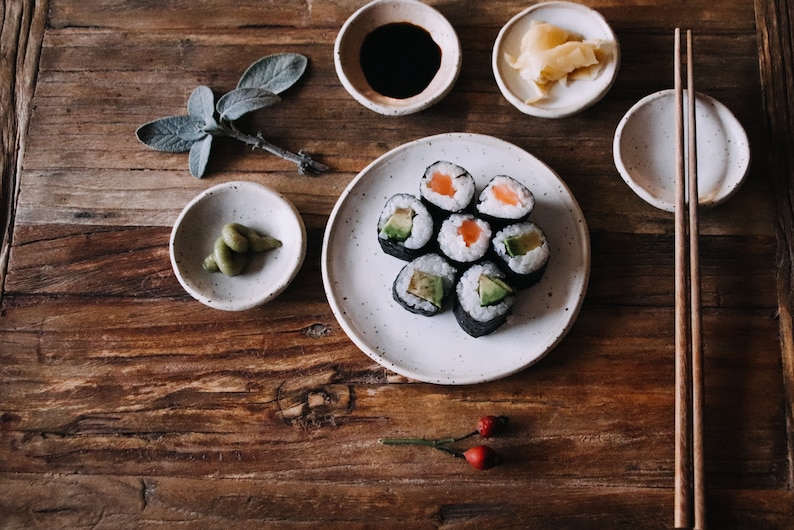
(267, 274)
(644, 150)
(358, 275)
(564, 99)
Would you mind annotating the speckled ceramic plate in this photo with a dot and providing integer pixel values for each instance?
(358, 275)
(644, 150)
(267, 274)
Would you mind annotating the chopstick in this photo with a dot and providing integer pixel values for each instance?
(689, 468)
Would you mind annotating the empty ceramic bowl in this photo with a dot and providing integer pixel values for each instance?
(397, 57)
(266, 274)
(572, 93)
(644, 150)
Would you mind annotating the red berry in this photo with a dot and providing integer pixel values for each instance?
(487, 426)
(482, 457)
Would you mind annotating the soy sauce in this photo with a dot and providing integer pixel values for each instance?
(400, 59)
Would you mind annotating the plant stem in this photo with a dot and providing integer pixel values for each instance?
(305, 162)
(441, 444)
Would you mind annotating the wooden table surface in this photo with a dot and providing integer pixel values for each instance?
(125, 403)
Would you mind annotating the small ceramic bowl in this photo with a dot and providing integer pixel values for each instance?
(564, 99)
(267, 274)
(644, 149)
(348, 45)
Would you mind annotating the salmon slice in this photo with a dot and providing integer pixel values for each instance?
(470, 231)
(506, 195)
(441, 183)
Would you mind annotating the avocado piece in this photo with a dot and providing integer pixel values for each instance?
(521, 244)
(399, 225)
(492, 290)
(427, 286)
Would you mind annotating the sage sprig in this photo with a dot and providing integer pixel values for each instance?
(258, 88)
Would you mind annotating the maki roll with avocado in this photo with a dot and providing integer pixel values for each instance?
(405, 227)
(483, 299)
(423, 285)
(447, 188)
(523, 251)
(464, 239)
(504, 200)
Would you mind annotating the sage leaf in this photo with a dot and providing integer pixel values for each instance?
(199, 156)
(241, 101)
(192, 130)
(275, 73)
(210, 125)
(163, 134)
(201, 103)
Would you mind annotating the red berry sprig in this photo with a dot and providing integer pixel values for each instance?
(480, 457)
(487, 426)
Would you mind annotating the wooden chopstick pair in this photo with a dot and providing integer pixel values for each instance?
(689, 472)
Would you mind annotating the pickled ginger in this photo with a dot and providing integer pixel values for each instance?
(550, 55)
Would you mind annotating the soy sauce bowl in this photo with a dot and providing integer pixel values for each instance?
(377, 14)
(266, 274)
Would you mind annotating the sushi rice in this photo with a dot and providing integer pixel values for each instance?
(458, 188)
(475, 319)
(453, 245)
(527, 268)
(505, 198)
(421, 228)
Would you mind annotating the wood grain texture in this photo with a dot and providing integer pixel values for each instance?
(776, 49)
(124, 403)
(21, 31)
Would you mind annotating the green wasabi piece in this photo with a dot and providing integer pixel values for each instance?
(231, 250)
(209, 264)
(234, 239)
(228, 261)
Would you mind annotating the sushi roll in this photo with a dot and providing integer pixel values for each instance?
(447, 188)
(483, 299)
(504, 200)
(423, 285)
(523, 250)
(405, 227)
(464, 239)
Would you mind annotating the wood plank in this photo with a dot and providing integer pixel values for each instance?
(284, 14)
(737, 271)
(73, 403)
(80, 109)
(249, 502)
(776, 51)
(21, 32)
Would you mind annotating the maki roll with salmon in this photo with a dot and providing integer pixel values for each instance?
(523, 251)
(405, 227)
(504, 200)
(483, 299)
(423, 285)
(464, 239)
(447, 188)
